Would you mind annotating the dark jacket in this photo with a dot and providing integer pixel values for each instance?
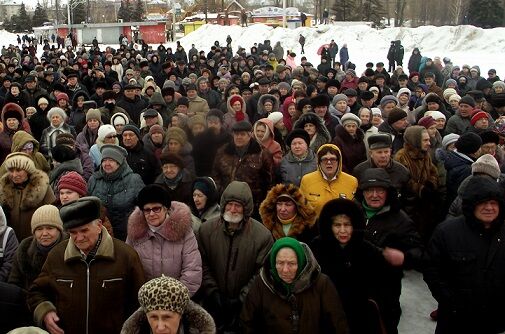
(353, 148)
(269, 308)
(113, 278)
(398, 173)
(143, 162)
(133, 107)
(292, 170)
(458, 167)
(205, 147)
(465, 270)
(182, 192)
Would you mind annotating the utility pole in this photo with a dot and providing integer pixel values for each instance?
(57, 10)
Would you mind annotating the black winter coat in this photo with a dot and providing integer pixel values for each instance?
(143, 162)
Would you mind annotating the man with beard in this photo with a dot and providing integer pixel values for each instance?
(109, 107)
(233, 248)
(206, 144)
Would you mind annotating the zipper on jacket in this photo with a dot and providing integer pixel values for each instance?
(87, 294)
(71, 281)
(228, 264)
(105, 281)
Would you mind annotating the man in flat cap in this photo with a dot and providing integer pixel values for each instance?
(88, 283)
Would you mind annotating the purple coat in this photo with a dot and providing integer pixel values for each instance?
(172, 250)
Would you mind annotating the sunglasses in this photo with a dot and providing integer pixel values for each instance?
(156, 209)
(111, 137)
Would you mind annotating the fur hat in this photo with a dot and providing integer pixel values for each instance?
(46, 215)
(73, 181)
(380, 140)
(156, 129)
(114, 152)
(172, 158)
(298, 133)
(94, 114)
(20, 160)
(197, 119)
(62, 153)
(105, 130)
(153, 193)
(80, 212)
(449, 139)
(65, 139)
(164, 293)
(58, 111)
(215, 113)
(486, 164)
(350, 117)
(119, 119)
(468, 143)
(177, 134)
(321, 100)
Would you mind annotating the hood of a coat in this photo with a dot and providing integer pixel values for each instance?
(261, 101)
(312, 118)
(212, 196)
(305, 279)
(19, 140)
(157, 98)
(13, 107)
(412, 136)
(174, 228)
(230, 109)
(240, 192)
(336, 150)
(33, 193)
(269, 129)
(3, 221)
(341, 206)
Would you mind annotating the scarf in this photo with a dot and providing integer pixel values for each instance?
(370, 212)
(287, 221)
(239, 116)
(173, 183)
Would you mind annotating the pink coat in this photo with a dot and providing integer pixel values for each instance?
(172, 250)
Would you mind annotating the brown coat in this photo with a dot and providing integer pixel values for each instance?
(19, 203)
(115, 276)
(303, 227)
(254, 168)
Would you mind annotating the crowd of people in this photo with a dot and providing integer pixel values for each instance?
(246, 191)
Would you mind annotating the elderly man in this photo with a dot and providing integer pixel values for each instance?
(465, 270)
(328, 181)
(233, 247)
(387, 226)
(88, 283)
(395, 125)
(380, 157)
(244, 160)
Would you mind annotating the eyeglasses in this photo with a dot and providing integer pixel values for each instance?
(110, 137)
(329, 160)
(156, 209)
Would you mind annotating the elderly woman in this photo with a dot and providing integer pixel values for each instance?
(13, 120)
(348, 260)
(24, 142)
(300, 160)
(106, 135)
(291, 295)
(117, 186)
(22, 190)
(314, 126)
(160, 231)
(236, 111)
(286, 212)
(204, 205)
(349, 138)
(175, 177)
(87, 137)
(263, 131)
(165, 307)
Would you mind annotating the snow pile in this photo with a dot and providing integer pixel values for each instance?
(463, 44)
(7, 38)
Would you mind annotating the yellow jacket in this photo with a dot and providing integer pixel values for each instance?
(319, 190)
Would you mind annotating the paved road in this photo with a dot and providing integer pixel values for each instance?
(417, 303)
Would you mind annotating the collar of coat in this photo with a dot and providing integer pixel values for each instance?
(105, 250)
(33, 193)
(176, 225)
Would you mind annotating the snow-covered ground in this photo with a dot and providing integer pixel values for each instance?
(463, 44)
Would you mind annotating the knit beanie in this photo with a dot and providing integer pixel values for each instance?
(156, 129)
(289, 243)
(114, 152)
(275, 117)
(236, 98)
(427, 121)
(62, 96)
(386, 99)
(435, 114)
(42, 100)
(20, 160)
(448, 93)
(164, 293)
(449, 139)
(298, 133)
(488, 165)
(479, 114)
(197, 119)
(73, 181)
(94, 114)
(28, 330)
(58, 111)
(467, 99)
(133, 128)
(339, 97)
(468, 143)
(177, 134)
(350, 117)
(454, 97)
(46, 215)
(395, 115)
(105, 130)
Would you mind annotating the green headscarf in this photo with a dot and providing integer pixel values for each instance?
(296, 247)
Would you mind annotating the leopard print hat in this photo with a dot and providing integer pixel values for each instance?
(164, 293)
